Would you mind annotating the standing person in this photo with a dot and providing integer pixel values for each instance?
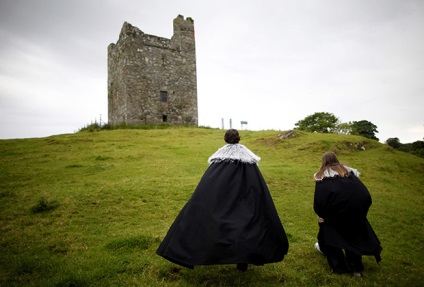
(230, 218)
(341, 202)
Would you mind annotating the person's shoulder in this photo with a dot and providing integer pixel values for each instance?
(354, 171)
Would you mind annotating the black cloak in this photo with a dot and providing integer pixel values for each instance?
(230, 219)
(343, 203)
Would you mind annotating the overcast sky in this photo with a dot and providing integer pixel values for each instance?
(270, 63)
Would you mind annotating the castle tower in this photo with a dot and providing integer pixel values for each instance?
(153, 79)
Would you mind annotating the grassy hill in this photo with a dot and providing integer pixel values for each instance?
(89, 209)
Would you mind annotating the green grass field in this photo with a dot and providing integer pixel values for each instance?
(90, 209)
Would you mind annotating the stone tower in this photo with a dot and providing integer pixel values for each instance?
(153, 79)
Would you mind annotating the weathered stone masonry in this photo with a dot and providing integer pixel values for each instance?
(153, 79)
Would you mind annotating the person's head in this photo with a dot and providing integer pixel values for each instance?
(232, 136)
(329, 159)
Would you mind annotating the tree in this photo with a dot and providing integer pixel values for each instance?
(365, 129)
(416, 148)
(393, 142)
(321, 122)
(344, 129)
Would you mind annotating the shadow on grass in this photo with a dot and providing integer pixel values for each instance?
(223, 275)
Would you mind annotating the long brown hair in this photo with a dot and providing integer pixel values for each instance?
(330, 160)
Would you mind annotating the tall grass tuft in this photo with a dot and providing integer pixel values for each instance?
(72, 281)
(44, 205)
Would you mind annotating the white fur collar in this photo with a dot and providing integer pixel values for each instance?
(234, 152)
(331, 173)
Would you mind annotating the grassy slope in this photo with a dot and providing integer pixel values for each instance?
(117, 192)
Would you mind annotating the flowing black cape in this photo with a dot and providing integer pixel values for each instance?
(230, 218)
(343, 202)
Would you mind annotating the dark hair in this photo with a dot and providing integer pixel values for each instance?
(232, 136)
(330, 160)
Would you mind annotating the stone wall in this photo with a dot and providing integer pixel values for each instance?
(153, 79)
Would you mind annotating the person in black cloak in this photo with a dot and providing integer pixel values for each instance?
(230, 218)
(341, 202)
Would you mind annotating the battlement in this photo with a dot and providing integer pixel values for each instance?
(181, 24)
